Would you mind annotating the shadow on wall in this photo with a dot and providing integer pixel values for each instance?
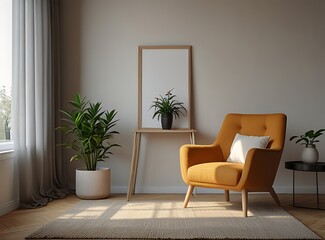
(70, 67)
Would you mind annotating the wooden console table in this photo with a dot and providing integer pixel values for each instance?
(136, 147)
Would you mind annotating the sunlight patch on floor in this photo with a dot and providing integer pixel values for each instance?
(164, 210)
(91, 212)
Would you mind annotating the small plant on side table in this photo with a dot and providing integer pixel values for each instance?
(167, 107)
(309, 138)
(309, 153)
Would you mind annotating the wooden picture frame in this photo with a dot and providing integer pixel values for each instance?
(160, 69)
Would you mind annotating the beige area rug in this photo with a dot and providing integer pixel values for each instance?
(115, 218)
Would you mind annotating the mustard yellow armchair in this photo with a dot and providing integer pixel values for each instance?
(207, 165)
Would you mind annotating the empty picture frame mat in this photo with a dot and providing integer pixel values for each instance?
(160, 69)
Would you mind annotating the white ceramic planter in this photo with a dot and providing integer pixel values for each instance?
(93, 184)
(309, 154)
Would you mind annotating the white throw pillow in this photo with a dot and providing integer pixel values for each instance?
(242, 144)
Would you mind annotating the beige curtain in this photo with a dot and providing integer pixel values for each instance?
(35, 97)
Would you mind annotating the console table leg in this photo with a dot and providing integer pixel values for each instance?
(293, 188)
(192, 138)
(136, 152)
(134, 165)
(136, 160)
(132, 169)
(317, 190)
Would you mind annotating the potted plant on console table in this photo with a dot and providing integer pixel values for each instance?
(309, 153)
(167, 108)
(91, 130)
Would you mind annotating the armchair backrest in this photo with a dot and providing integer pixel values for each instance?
(273, 125)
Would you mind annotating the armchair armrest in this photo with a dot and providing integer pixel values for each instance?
(260, 168)
(195, 154)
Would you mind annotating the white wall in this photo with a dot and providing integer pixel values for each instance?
(8, 184)
(249, 56)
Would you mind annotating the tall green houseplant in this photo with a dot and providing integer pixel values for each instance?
(91, 130)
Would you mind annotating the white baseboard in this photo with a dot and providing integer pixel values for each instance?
(119, 189)
(183, 189)
(162, 189)
(300, 190)
(171, 189)
(9, 206)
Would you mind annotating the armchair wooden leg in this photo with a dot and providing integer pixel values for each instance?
(244, 196)
(275, 197)
(227, 199)
(188, 195)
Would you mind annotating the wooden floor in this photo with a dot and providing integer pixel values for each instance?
(19, 223)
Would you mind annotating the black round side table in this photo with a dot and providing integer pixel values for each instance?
(308, 167)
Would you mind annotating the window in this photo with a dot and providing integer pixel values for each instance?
(5, 74)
